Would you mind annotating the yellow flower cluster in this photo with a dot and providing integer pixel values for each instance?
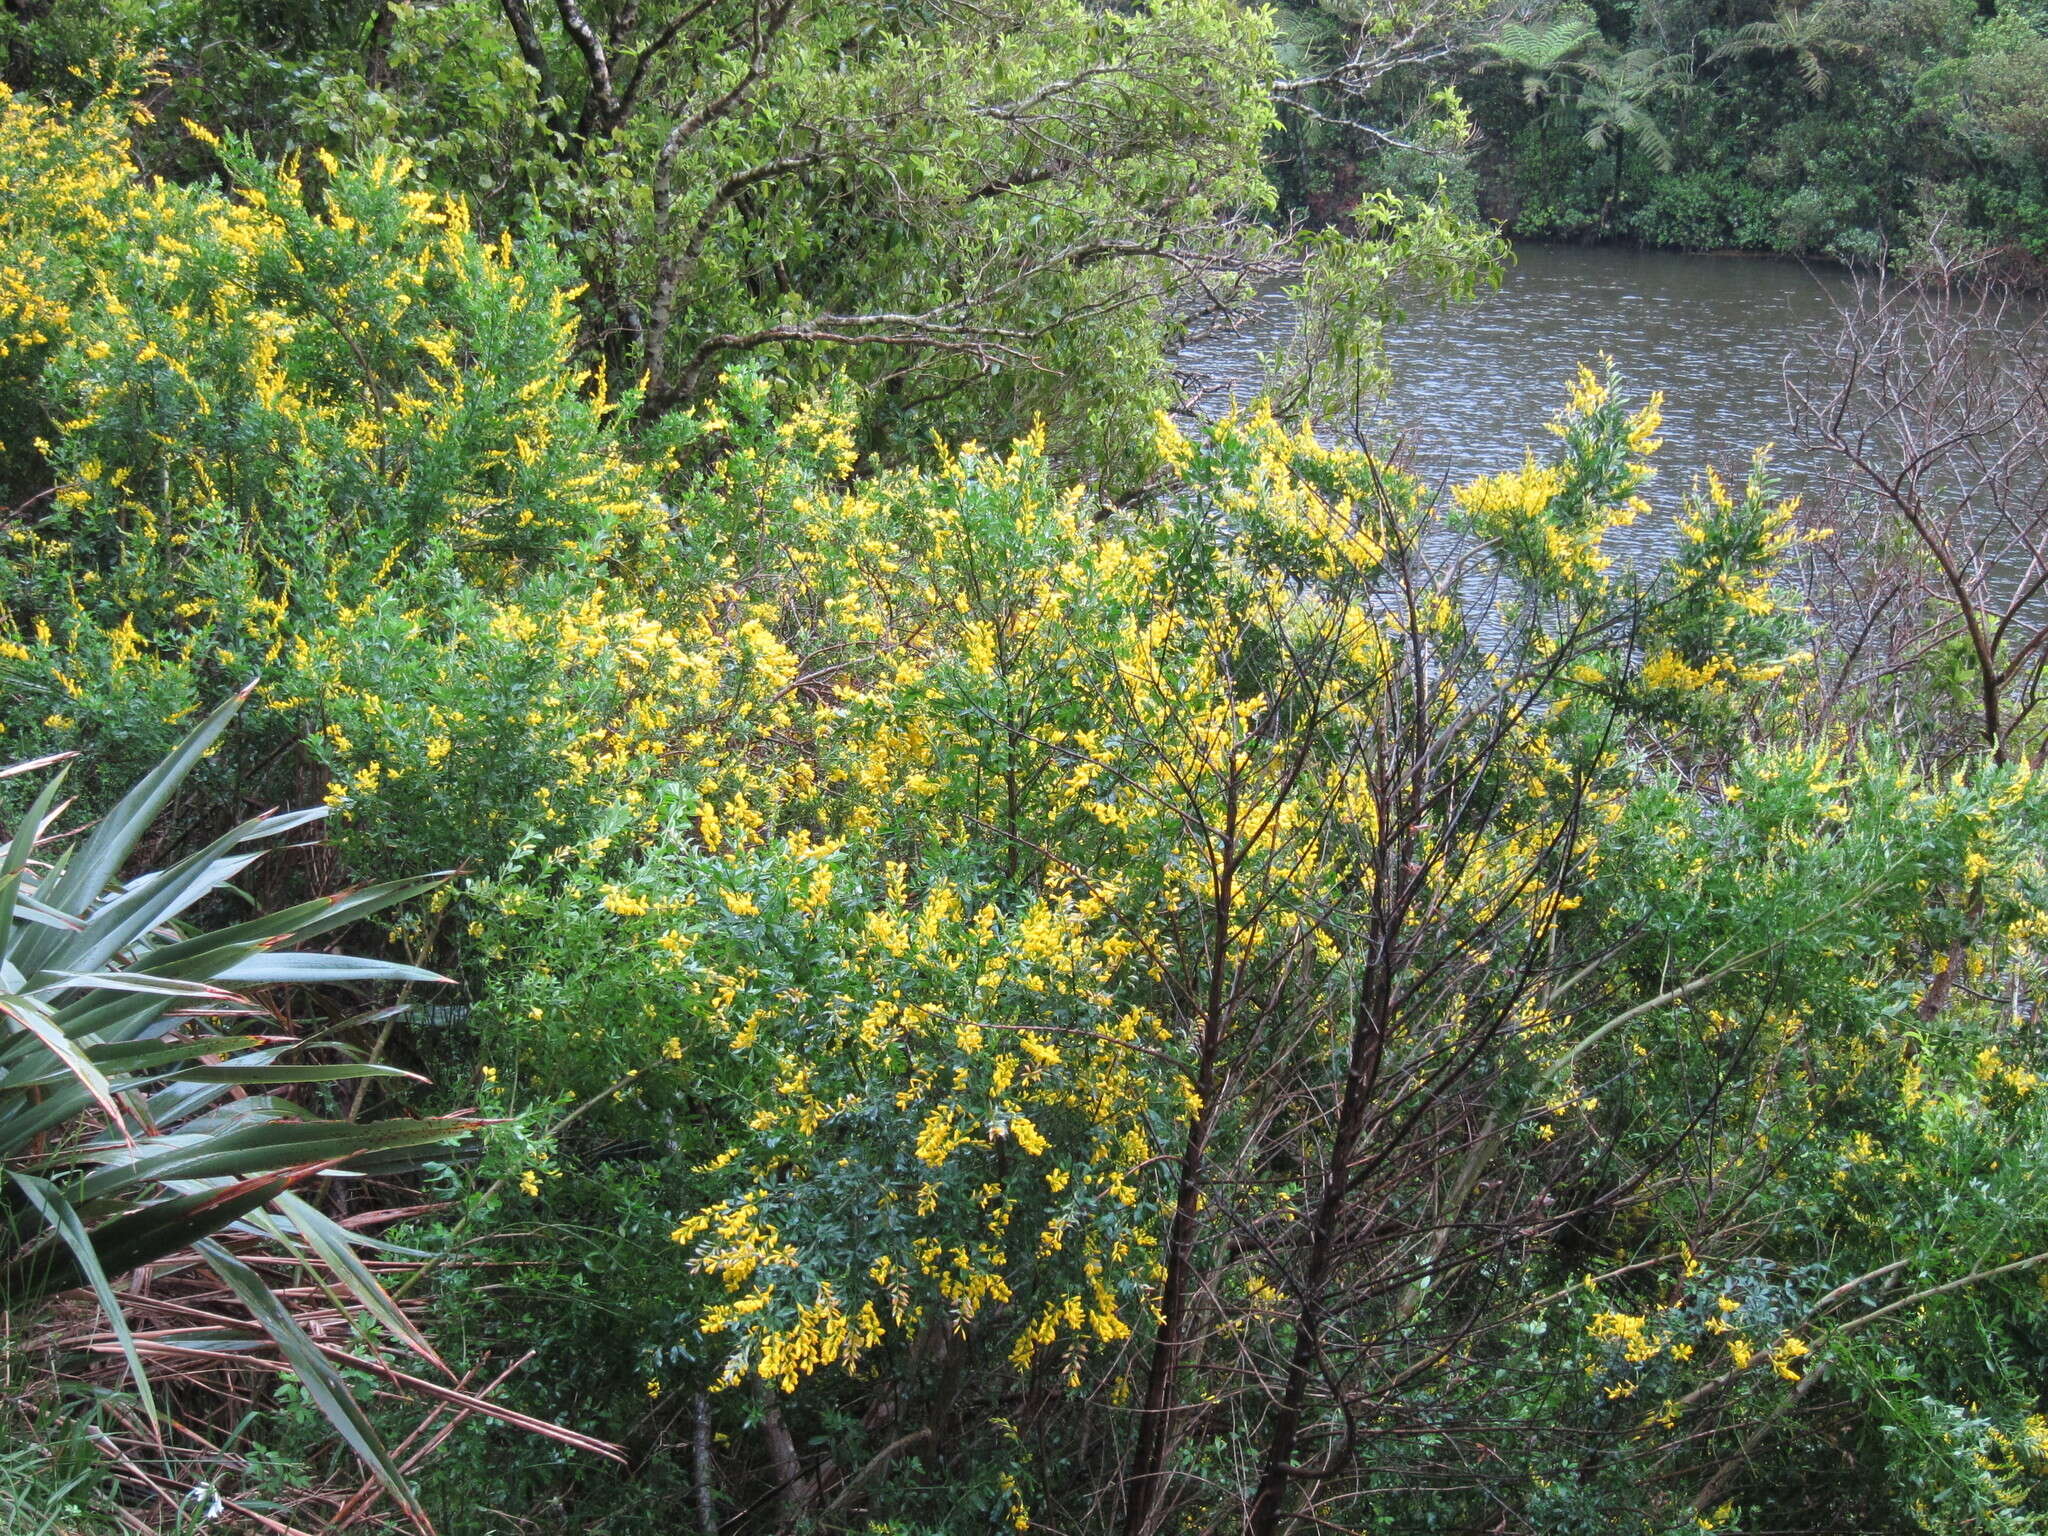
(65, 181)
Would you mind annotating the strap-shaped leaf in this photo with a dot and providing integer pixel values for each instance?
(310, 966)
(160, 1071)
(168, 1107)
(10, 894)
(28, 1118)
(115, 1016)
(15, 770)
(304, 921)
(277, 823)
(141, 1236)
(35, 1018)
(182, 1104)
(137, 981)
(336, 1245)
(250, 933)
(70, 1231)
(113, 925)
(349, 906)
(205, 957)
(90, 982)
(264, 1148)
(322, 1072)
(87, 937)
(152, 900)
(29, 909)
(11, 978)
(232, 1114)
(41, 812)
(127, 1063)
(322, 1382)
(164, 1227)
(90, 868)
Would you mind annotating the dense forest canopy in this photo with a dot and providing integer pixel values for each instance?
(1857, 130)
(892, 931)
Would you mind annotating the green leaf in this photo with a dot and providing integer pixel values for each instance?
(315, 1372)
(331, 1072)
(141, 1236)
(265, 1148)
(90, 868)
(36, 1019)
(336, 1245)
(165, 1227)
(304, 921)
(40, 814)
(310, 966)
(146, 903)
(137, 981)
(63, 1220)
(131, 1060)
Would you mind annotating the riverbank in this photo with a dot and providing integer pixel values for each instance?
(2010, 265)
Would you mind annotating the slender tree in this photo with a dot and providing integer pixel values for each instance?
(1616, 101)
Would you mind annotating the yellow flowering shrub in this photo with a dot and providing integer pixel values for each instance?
(913, 968)
(65, 187)
(1548, 520)
(311, 428)
(934, 941)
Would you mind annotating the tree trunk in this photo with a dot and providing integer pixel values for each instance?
(1144, 1479)
(1368, 1041)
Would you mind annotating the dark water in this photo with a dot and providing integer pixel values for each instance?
(1475, 384)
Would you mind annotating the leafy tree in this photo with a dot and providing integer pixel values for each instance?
(1991, 97)
(1810, 35)
(1544, 57)
(987, 213)
(1616, 100)
(1893, 115)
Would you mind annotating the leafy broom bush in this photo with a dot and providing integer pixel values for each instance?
(1287, 998)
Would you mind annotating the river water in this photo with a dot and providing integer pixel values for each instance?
(1474, 384)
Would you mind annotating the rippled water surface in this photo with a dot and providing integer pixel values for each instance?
(1716, 334)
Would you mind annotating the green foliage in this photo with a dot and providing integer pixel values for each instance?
(1889, 1149)
(1542, 55)
(941, 949)
(320, 438)
(1138, 978)
(965, 207)
(1810, 36)
(1991, 98)
(1351, 289)
(53, 1484)
(125, 1138)
(1835, 129)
